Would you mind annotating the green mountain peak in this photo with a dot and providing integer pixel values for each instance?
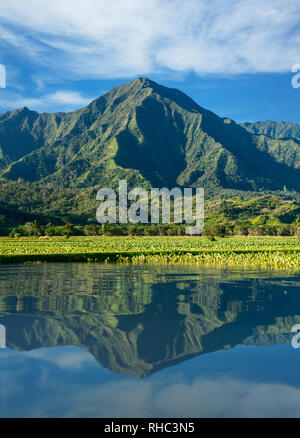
(151, 135)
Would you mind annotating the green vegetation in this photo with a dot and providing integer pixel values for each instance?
(242, 252)
(152, 136)
(268, 215)
(51, 166)
(274, 129)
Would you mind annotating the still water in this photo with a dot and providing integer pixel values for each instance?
(92, 340)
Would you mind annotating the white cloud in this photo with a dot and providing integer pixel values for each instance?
(90, 391)
(97, 38)
(60, 97)
(59, 100)
(65, 357)
(224, 397)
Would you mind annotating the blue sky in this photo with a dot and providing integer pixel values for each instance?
(234, 58)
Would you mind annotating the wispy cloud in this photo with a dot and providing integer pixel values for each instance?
(97, 38)
(59, 100)
(90, 391)
(65, 98)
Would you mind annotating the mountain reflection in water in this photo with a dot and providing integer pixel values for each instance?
(137, 320)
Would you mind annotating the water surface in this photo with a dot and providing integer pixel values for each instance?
(92, 340)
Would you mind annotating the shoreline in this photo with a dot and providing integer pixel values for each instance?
(280, 253)
(277, 259)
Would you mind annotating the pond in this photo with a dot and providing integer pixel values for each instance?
(107, 340)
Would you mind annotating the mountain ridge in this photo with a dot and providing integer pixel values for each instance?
(150, 135)
(273, 129)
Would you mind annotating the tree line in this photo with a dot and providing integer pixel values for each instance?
(35, 229)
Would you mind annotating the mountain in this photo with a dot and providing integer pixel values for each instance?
(152, 136)
(274, 129)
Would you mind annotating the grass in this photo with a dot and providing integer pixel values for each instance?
(238, 252)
